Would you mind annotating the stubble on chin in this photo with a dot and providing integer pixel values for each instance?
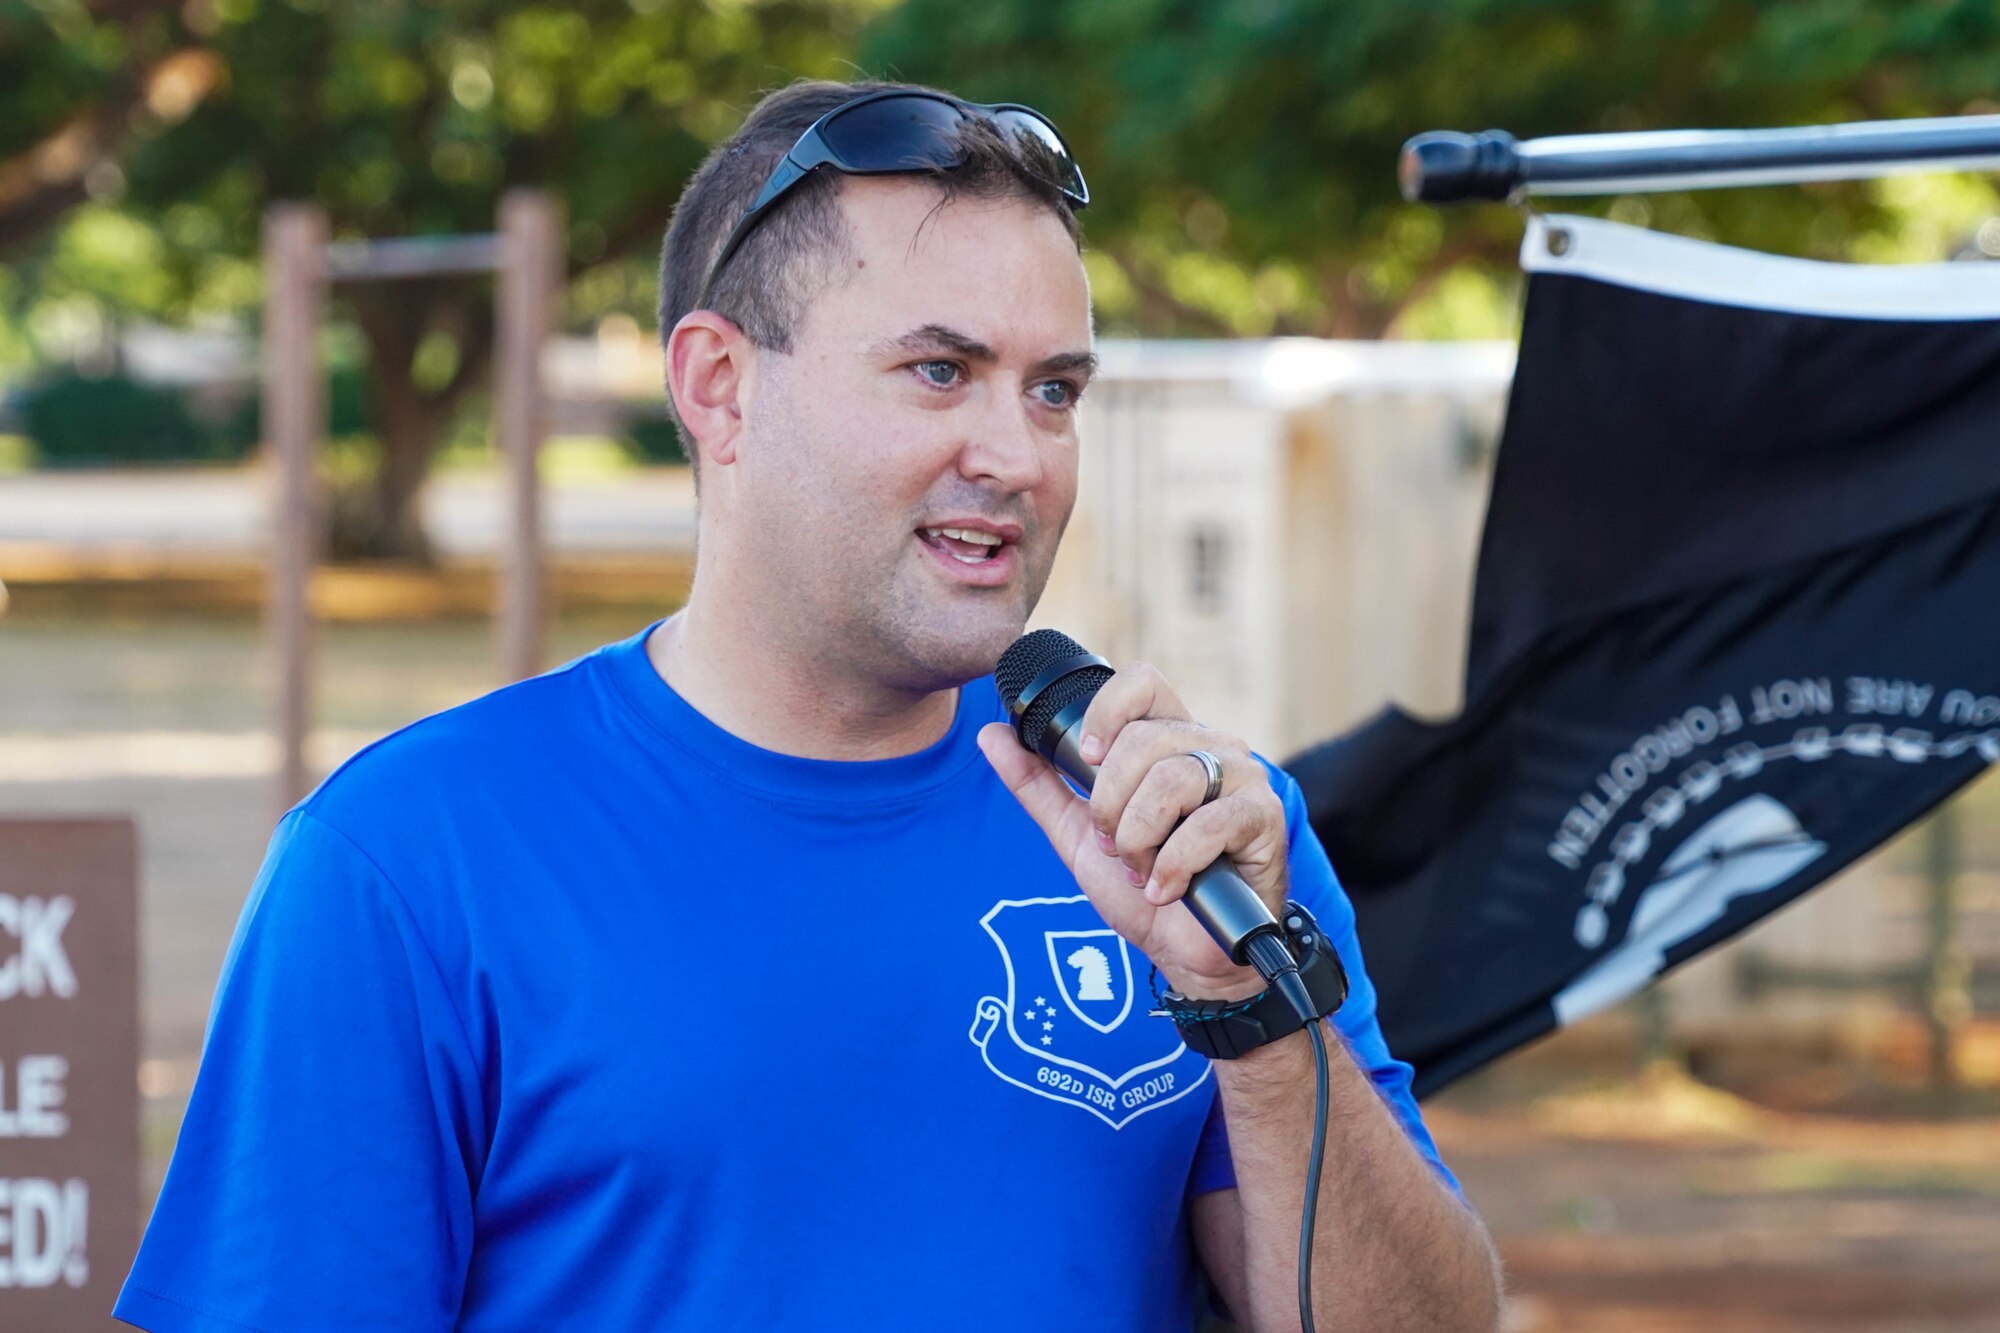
(939, 639)
(938, 648)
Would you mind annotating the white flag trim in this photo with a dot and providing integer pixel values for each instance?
(1724, 275)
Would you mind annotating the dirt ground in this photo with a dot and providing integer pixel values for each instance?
(1657, 1204)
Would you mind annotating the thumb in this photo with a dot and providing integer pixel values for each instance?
(1038, 787)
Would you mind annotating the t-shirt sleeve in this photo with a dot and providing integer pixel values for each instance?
(1313, 883)
(1212, 1169)
(323, 1175)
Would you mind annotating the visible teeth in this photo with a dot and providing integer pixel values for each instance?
(965, 535)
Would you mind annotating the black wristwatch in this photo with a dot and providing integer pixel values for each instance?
(1225, 1029)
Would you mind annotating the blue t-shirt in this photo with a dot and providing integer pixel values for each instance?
(568, 1009)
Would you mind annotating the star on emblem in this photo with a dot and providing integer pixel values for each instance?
(1046, 1040)
(1050, 1011)
(1041, 1000)
(1028, 1014)
(1048, 1027)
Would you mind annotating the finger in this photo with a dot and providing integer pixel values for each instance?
(1135, 692)
(1149, 742)
(1173, 788)
(1139, 747)
(1247, 827)
(1059, 811)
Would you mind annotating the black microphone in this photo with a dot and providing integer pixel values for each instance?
(1047, 681)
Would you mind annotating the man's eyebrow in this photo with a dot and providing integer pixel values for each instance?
(937, 337)
(1081, 364)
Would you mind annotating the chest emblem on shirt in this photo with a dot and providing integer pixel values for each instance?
(1066, 1027)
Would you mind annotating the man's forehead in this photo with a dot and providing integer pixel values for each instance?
(905, 211)
(996, 274)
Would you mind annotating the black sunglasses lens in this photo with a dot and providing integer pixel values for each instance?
(894, 134)
(1069, 177)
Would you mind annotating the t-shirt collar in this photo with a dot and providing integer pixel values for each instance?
(835, 781)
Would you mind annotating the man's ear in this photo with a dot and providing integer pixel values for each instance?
(708, 360)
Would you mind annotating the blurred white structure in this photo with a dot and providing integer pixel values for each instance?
(1285, 528)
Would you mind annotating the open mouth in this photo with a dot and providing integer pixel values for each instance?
(962, 544)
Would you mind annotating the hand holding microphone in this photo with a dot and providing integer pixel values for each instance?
(1156, 818)
(1148, 838)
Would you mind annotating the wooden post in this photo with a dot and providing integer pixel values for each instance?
(294, 417)
(1656, 1026)
(1947, 972)
(530, 282)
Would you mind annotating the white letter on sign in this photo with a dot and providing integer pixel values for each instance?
(38, 1090)
(40, 962)
(39, 1239)
(44, 1230)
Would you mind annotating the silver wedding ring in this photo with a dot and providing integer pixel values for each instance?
(1213, 767)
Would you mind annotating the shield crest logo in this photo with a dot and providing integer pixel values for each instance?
(1063, 1028)
(1093, 971)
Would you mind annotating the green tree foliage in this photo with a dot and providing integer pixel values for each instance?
(1242, 153)
(80, 81)
(76, 418)
(403, 117)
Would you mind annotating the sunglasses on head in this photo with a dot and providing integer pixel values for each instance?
(882, 133)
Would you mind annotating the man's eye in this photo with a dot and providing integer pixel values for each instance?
(1056, 393)
(941, 374)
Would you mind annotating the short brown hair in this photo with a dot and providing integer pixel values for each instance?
(792, 254)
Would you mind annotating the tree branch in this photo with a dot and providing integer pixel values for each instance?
(41, 183)
(1162, 300)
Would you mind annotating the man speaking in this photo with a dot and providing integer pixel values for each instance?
(718, 980)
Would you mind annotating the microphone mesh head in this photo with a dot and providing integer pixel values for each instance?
(1027, 657)
(1030, 655)
(1078, 684)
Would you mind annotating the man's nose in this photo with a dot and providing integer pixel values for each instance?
(1006, 446)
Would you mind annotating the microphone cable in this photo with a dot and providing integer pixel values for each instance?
(1309, 1215)
(1271, 958)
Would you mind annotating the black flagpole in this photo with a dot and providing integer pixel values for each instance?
(1444, 166)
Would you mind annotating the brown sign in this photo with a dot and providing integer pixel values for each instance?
(69, 1056)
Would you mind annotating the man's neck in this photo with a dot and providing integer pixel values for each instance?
(756, 691)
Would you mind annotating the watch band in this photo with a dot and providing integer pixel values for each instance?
(1226, 1029)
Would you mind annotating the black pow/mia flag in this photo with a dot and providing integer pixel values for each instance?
(1736, 622)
